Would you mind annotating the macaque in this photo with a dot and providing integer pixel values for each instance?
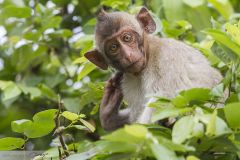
(145, 64)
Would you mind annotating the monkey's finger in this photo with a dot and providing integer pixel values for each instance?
(117, 79)
(110, 96)
(116, 98)
(109, 85)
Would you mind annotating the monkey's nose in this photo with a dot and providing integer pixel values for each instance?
(129, 57)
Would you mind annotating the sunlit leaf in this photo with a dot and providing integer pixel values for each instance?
(211, 127)
(192, 158)
(224, 7)
(169, 112)
(234, 31)
(80, 60)
(10, 143)
(136, 130)
(162, 153)
(80, 127)
(14, 11)
(34, 92)
(70, 116)
(116, 4)
(180, 133)
(88, 67)
(232, 113)
(88, 125)
(21, 125)
(10, 92)
(43, 123)
(127, 134)
(194, 3)
(225, 40)
(72, 104)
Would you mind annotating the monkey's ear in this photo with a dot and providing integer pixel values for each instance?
(101, 14)
(146, 20)
(96, 58)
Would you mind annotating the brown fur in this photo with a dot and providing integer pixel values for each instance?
(164, 67)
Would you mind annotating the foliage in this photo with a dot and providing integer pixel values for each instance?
(50, 93)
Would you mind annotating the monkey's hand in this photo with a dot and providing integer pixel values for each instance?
(110, 116)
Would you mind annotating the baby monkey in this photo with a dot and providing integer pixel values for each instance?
(146, 65)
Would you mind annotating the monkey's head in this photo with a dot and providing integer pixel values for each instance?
(120, 40)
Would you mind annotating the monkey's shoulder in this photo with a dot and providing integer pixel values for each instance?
(168, 51)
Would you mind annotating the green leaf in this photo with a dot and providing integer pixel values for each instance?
(63, 33)
(232, 113)
(136, 130)
(72, 104)
(180, 133)
(5, 84)
(211, 127)
(116, 147)
(162, 153)
(80, 127)
(234, 31)
(33, 35)
(225, 54)
(192, 158)
(215, 125)
(88, 125)
(53, 81)
(24, 56)
(224, 7)
(88, 67)
(173, 146)
(93, 95)
(34, 92)
(85, 43)
(224, 39)
(129, 134)
(83, 156)
(18, 12)
(116, 4)
(194, 3)
(21, 125)
(48, 92)
(218, 90)
(11, 91)
(197, 94)
(169, 112)
(11, 143)
(80, 60)
(173, 10)
(51, 22)
(70, 116)
(180, 101)
(43, 123)
(198, 130)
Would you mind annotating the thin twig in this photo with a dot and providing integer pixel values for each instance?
(59, 133)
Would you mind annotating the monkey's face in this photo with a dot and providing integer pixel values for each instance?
(124, 50)
(119, 39)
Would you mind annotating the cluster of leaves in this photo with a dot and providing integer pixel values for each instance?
(40, 40)
(41, 56)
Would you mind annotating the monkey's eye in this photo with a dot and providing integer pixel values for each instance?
(127, 38)
(113, 47)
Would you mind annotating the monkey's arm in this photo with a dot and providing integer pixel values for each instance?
(110, 116)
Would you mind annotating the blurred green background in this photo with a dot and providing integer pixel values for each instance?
(42, 43)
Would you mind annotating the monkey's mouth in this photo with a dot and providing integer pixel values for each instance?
(132, 64)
